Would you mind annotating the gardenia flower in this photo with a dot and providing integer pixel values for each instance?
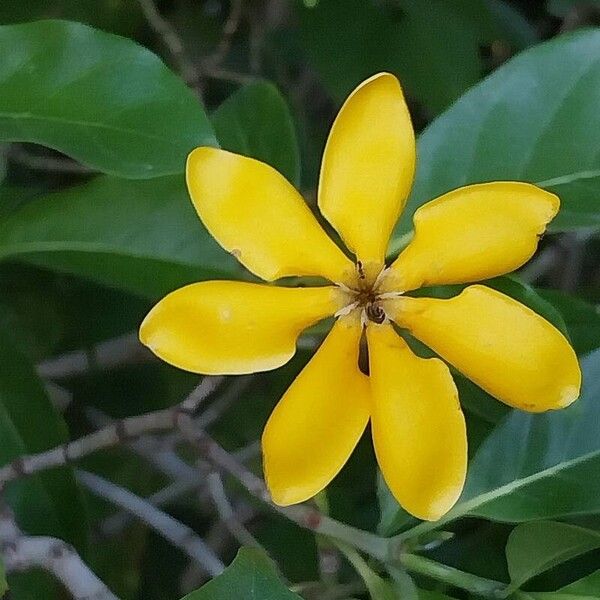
(467, 235)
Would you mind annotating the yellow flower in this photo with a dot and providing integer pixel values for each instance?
(467, 235)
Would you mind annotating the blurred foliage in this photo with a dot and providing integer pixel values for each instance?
(99, 106)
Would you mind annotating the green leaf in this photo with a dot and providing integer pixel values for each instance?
(49, 503)
(255, 121)
(251, 576)
(99, 98)
(527, 121)
(535, 547)
(12, 197)
(584, 589)
(432, 46)
(537, 466)
(581, 318)
(141, 236)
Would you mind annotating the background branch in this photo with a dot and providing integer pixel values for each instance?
(180, 535)
(22, 553)
(118, 433)
(172, 42)
(116, 352)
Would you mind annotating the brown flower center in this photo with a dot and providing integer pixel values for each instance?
(364, 295)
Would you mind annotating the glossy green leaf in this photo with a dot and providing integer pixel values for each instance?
(537, 466)
(587, 588)
(251, 576)
(581, 318)
(432, 46)
(99, 98)
(529, 121)
(256, 121)
(535, 547)
(49, 503)
(12, 197)
(141, 236)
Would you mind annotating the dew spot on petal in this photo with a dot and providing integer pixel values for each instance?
(225, 313)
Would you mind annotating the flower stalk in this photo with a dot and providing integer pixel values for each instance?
(481, 586)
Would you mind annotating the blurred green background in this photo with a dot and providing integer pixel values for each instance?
(95, 225)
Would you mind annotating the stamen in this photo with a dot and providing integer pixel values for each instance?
(389, 295)
(380, 277)
(346, 310)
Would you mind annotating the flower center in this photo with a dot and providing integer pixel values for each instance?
(364, 295)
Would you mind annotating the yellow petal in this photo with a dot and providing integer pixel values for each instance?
(418, 427)
(473, 233)
(502, 346)
(318, 422)
(368, 167)
(230, 327)
(258, 216)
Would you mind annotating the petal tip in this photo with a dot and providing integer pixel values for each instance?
(383, 78)
(144, 334)
(196, 161)
(383, 75)
(568, 395)
(547, 203)
(196, 154)
(442, 503)
(553, 205)
(282, 494)
(283, 498)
